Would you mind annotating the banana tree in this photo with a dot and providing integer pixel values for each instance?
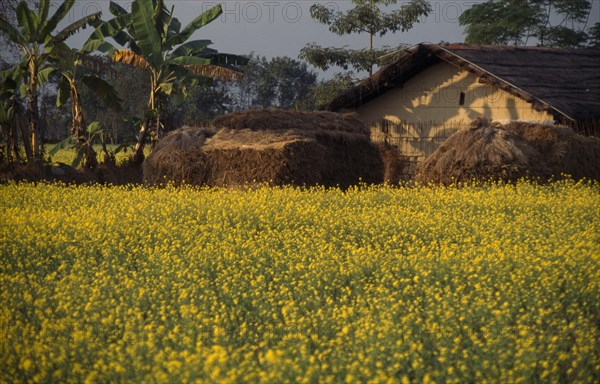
(69, 62)
(12, 116)
(34, 36)
(157, 44)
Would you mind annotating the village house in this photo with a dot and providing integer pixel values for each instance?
(432, 91)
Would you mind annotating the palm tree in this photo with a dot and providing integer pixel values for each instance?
(34, 37)
(157, 44)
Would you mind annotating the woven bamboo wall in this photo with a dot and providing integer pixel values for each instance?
(415, 140)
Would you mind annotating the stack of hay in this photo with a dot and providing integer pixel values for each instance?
(268, 146)
(394, 164)
(178, 158)
(491, 151)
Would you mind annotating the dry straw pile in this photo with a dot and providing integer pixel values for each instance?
(178, 157)
(268, 146)
(394, 164)
(564, 151)
(492, 151)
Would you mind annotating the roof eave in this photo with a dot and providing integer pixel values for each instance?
(370, 88)
(420, 58)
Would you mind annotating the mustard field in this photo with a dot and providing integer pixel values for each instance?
(496, 284)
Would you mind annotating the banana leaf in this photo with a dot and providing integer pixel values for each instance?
(44, 8)
(116, 10)
(191, 48)
(76, 26)
(146, 34)
(199, 22)
(58, 16)
(104, 91)
(28, 21)
(13, 34)
(63, 91)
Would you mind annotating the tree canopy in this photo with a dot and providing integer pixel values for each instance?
(371, 17)
(551, 23)
(280, 82)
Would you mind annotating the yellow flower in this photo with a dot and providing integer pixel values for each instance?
(267, 284)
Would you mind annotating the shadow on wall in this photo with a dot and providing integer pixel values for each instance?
(419, 116)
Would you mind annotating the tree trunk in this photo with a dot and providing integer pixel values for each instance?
(12, 150)
(12, 139)
(9, 144)
(160, 131)
(25, 134)
(371, 44)
(371, 50)
(34, 136)
(149, 122)
(138, 150)
(90, 159)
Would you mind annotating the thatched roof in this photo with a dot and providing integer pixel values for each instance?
(563, 82)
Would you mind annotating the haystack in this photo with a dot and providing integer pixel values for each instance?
(244, 156)
(272, 146)
(291, 147)
(564, 151)
(393, 163)
(178, 158)
(483, 152)
(280, 120)
(512, 151)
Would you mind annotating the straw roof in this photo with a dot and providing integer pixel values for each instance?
(563, 82)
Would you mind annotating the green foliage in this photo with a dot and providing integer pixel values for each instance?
(75, 68)
(594, 35)
(72, 146)
(204, 102)
(156, 43)
(346, 58)
(152, 32)
(521, 22)
(34, 36)
(68, 153)
(10, 80)
(370, 17)
(118, 126)
(561, 36)
(327, 90)
(6, 115)
(70, 63)
(281, 82)
(73, 143)
(9, 111)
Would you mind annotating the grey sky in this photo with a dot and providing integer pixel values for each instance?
(282, 28)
